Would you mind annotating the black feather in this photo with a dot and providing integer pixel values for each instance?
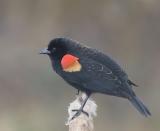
(137, 103)
(131, 83)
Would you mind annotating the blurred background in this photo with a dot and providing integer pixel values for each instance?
(33, 98)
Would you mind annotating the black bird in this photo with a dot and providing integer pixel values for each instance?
(91, 71)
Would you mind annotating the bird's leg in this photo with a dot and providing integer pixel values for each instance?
(77, 92)
(81, 108)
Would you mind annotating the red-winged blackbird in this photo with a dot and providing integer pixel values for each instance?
(91, 71)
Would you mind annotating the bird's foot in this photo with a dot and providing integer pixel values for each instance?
(78, 112)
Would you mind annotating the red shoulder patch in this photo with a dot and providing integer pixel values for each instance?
(68, 60)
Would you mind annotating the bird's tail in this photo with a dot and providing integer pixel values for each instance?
(137, 103)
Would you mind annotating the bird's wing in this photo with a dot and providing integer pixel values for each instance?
(95, 77)
(100, 76)
(104, 59)
(101, 58)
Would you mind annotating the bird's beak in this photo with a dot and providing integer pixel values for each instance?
(45, 51)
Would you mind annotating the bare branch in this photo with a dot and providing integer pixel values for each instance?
(82, 122)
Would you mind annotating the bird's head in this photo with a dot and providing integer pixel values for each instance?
(56, 48)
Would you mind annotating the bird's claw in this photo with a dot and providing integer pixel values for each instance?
(78, 112)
